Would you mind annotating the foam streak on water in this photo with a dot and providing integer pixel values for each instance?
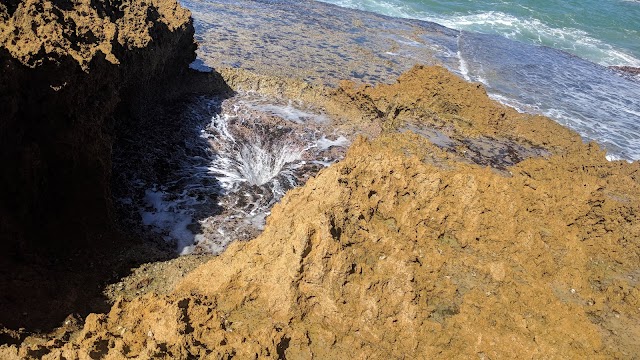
(258, 148)
(579, 92)
(535, 31)
(598, 103)
(536, 23)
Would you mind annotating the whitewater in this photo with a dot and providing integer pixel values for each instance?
(604, 32)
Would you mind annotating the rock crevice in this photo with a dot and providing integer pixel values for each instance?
(73, 74)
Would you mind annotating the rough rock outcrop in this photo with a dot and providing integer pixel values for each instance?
(72, 73)
(406, 249)
(627, 69)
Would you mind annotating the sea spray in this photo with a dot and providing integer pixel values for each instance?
(256, 149)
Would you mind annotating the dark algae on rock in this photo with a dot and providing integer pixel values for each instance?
(72, 74)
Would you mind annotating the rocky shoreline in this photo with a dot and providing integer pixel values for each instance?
(454, 227)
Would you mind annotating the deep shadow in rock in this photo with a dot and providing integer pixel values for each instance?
(41, 286)
(161, 164)
(62, 109)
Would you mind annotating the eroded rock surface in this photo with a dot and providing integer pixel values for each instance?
(409, 249)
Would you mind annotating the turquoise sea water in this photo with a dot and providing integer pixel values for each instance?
(511, 47)
(606, 32)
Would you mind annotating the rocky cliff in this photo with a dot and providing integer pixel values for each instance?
(69, 70)
(412, 247)
(72, 74)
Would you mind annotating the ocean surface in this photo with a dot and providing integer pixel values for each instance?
(606, 32)
(511, 47)
(550, 58)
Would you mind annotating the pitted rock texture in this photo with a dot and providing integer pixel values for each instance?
(403, 249)
(37, 31)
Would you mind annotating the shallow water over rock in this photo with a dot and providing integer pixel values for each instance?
(486, 151)
(242, 155)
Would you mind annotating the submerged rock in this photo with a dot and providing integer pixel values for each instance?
(627, 69)
(410, 249)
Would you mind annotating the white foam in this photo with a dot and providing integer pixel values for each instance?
(409, 42)
(323, 163)
(613, 157)
(631, 112)
(619, 139)
(532, 30)
(258, 165)
(323, 143)
(535, 31)
(251, 161)
(259, 220)
(170, 218)
(200, 66)
(246, 161)
(463, 67)
(201, 241)
(291, 113)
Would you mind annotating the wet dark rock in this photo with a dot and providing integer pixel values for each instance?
(627, 69)
(486, 151)
(212, 177)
